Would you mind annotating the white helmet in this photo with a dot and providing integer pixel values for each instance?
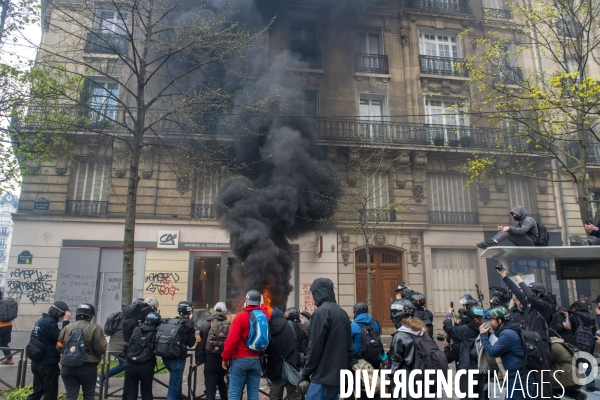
(220, 307)
(152, 302)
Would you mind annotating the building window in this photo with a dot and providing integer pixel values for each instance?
(207, 190)
(111, 22)
(519, 194)
(453, 274)
(449, 201)
(7, 208)
(4, 230)
(2, 242)
(310, 103)
(595, 201)
(89, 188)
(447, 120)
(368, 43)
(439, 45)
(100, 97)
(372, 116)
(6, 219)
(304, 42)
(376, 196)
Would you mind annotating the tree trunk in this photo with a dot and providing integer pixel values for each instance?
(368, 274)
(3, 16)
(129, 235)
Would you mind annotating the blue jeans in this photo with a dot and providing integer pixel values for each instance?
(114, 370)
(318, 391)
(176, 369)
(518, 394)
(244, 370)
(592, 384)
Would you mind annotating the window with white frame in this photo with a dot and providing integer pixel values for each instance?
(372, 115)
(446, 118)
(454, 272)
(2, 242)
(7, 208)
(6, 219)
(496, 4)
(91, 180)
(375, 191)
(102, 100)
(439, 45)
(4, 230)
(207, 190)
(110, 21)
(368, 43)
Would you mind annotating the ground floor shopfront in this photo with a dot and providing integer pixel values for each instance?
(81, 260)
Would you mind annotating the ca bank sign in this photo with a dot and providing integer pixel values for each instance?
(168, 240)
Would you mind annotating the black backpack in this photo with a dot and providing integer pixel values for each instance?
(74, 352)
(371, 348)
(534, 350)
(584, 337)
(168, 340)
(112, 323)
(543, 235)
(36, 348)
(8, 310)
(429, 356)
(140, 348)
(132, 318)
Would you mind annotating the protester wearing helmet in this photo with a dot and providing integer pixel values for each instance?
(292, 314)
(509, 348)
(466, 302)
(245, 363)
(499, 296)
(83, 376)
(140, 372)
(362, 320)
(400, 289)
(537, 316)
(464, 336)
(420, 303)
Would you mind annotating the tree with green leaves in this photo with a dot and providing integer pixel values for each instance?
(548, 110)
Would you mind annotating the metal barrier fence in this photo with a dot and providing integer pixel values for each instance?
(21, 367)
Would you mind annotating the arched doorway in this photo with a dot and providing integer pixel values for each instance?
(387, 267)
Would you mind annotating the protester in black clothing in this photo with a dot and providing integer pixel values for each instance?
(329, 342)
(583, 327)
(214, 374)
(292, 314)
(283, 346)
(141, 374)
(451, 350)
(562, 328)
(45, 370)
(420, 303)
(465, 335)
(516, 312)
(537, 315)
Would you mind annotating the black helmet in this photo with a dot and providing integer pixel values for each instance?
(498, 312)
(152, 319)
(401, 287)
(360, 308)
(406, 293)
(419, 300)
(184, 307)
(538, 287)
(475, 311)
(292, 314)
(402, 308)
(137, 301)
(85, 310)
(253, 297)
(463, 314)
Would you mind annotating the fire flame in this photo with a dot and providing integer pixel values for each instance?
(267, 299)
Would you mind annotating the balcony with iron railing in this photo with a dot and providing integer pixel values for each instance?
(498, 13)
(372, 63)
(453, 218)
(105, 42)
(449, 6)
(442, 66)
(380, 215)
(573, 152)
(86, 208)
(508, 75)
(205, 211)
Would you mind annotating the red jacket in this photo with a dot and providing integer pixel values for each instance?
(235, 344)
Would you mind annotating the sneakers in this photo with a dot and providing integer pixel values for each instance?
(7, 362)
(578, 239)
(485, 245)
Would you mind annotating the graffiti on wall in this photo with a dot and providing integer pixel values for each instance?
(114, 286)
(162, 283)
(35, 285)
(309, 301)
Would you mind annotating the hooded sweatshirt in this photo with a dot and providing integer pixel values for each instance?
(282, 345)
(526, 225)
(329, 344)
(508, 347)
(47, 330)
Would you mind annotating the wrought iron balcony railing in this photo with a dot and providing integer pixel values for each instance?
(498, 13)
(450, 6)
(381, 215)
(442, 65)
(374, 63)
(204, 211)
(508, 75)
(453, 218)
(86, 208)
(105, 42)
(573, 150)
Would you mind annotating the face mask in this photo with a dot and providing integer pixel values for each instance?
(516, 217)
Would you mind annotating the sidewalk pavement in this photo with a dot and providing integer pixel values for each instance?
(20, 340)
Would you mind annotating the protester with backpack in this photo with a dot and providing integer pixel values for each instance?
(583, 327)
(411, 347)
(8, 312)
(134, 315)
(292, 314)
(284, 347)
(420, 303)
(464, 336)
(173, 338)
(509, 348)
(537, 316)
(82, 345)
(329, 344)
(213, 334)
(366, 332)
(561, 371)
(140, 359)
(41, 350)
(560, 325)
(248, 337)
(525, 232)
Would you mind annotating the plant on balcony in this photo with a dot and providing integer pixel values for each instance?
(465, 141)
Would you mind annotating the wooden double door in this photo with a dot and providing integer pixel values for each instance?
(386, 274)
